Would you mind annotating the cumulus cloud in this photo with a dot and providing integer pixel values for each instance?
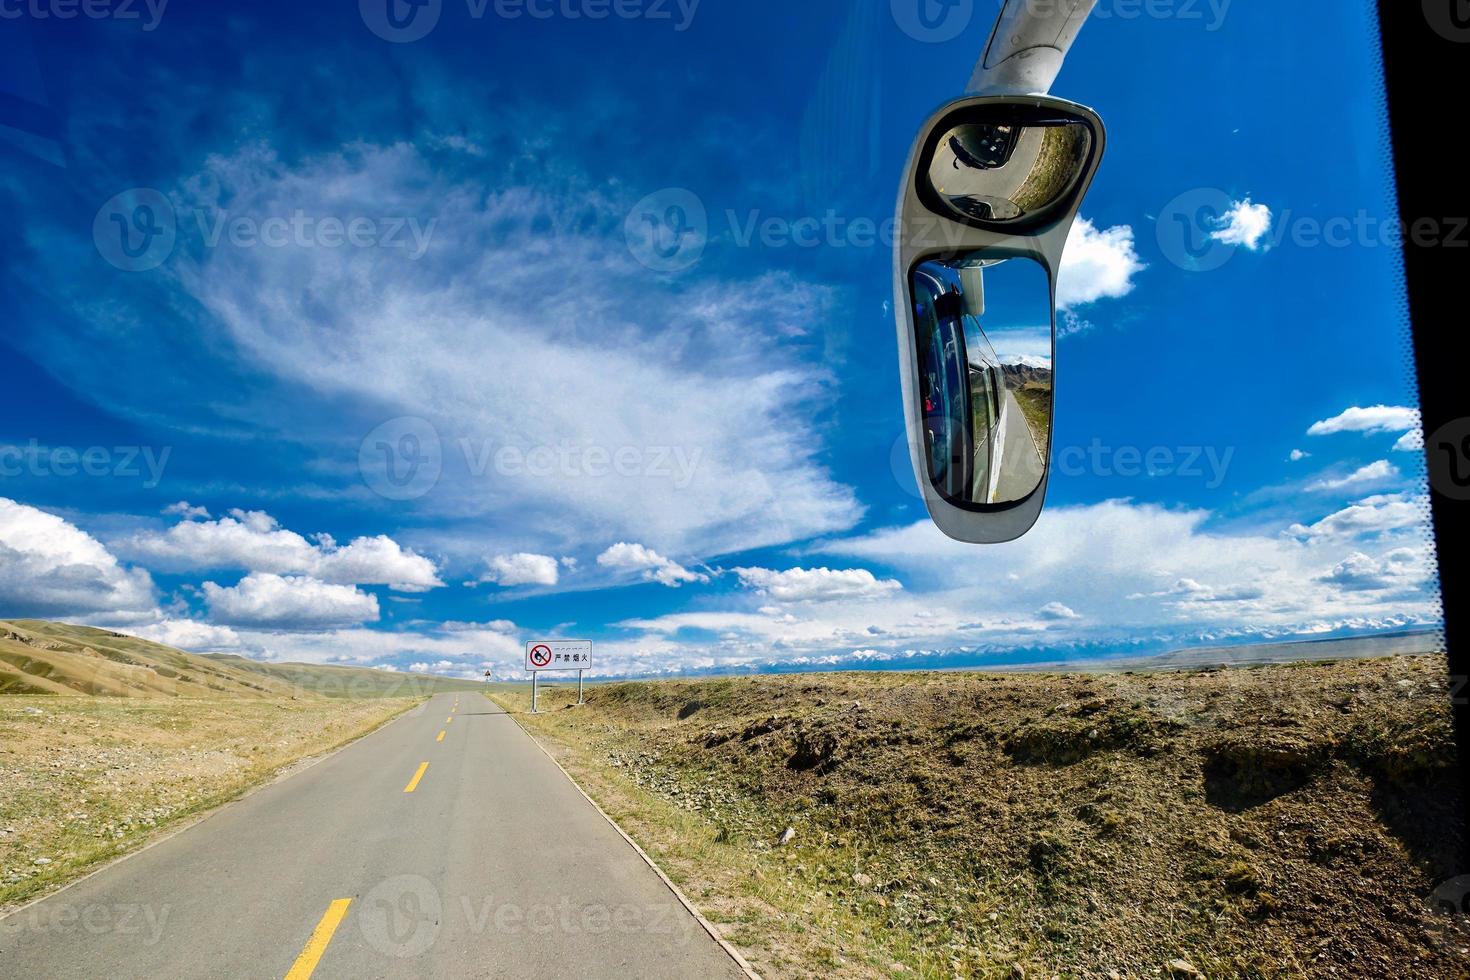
(1244, 224)
(1056, 610)
(1396, 569)
(189, 635)
(1097, 264)
(1410, 442)
(50, 568)
(1370, 516)
(654, 567)
(265, 600)
(816, 584)
(255, 542)
(1298, 455)
(1374, 420)
(186, 510)
(1376, 472)
(521, 568)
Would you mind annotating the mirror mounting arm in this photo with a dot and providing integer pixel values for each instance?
(1026, 50)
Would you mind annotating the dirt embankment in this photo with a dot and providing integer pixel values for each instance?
(1277, 821)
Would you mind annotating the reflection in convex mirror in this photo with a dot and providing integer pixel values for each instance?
(1009, 166)
(983, 340)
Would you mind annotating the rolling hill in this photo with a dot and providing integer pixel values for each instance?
(39, 657)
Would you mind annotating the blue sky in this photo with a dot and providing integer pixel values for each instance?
(389, 373)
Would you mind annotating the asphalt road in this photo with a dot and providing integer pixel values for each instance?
(491, 865)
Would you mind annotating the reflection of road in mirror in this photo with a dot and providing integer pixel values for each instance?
(983, 341)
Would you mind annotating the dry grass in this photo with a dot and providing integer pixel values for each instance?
(1265, 822)
(83, 779)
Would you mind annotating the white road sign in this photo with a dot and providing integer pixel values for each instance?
(558, 654)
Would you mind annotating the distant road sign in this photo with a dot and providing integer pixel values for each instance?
(559, 655)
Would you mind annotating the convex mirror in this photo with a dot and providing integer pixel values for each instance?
(992, 187)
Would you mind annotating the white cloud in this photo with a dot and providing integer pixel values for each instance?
(51, 569)
(816, 584)
(1375, 420)
(669, 416)
(1245, 224)
(186, 510)
(624, 556)
(1376, 472)
(1370, 516)
(264, 600)
(1297, 455)
(1143, 573)
(521, 568)
(1055, 610)
(189, 635)
(1410, 442)
(1399, 568)
(1097, 264)
(255, 542)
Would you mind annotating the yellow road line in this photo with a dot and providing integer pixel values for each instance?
(413, 783)
(449, 719)
(317, 944)
(440, 738)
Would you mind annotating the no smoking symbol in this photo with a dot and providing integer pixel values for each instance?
(540, 655)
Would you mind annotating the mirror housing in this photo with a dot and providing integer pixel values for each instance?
(989, 177)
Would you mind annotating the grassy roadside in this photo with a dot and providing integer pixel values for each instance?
(771, 907)
(1277, 821)
(86, 779)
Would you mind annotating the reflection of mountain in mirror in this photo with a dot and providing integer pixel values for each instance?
(985, 376)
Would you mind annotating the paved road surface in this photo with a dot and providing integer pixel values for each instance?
(494, 865)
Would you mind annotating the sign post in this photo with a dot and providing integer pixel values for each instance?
(557, 655)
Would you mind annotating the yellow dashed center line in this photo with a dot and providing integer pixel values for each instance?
(413, 783)
(440, 738)
(320, 937)
(449, 719)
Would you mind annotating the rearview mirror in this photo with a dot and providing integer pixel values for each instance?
(990, 192)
